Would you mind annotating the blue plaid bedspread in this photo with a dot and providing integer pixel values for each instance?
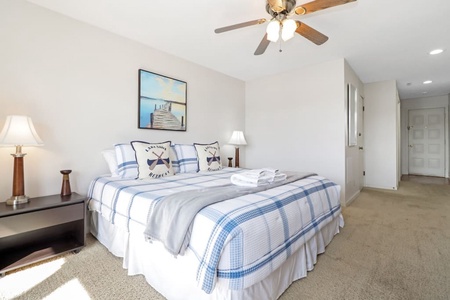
(241, 240)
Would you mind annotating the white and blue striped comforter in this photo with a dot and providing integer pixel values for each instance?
(241, 240)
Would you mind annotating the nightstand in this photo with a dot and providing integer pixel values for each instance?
(43, 228)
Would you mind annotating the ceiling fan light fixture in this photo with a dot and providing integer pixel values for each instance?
(280, 12)
(288, 30)
(273, 30)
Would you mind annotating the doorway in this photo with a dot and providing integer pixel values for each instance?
(426, 142)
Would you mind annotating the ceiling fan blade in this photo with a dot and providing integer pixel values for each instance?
(310, 33)
(316, 5)
(262, 45)
(240, 25)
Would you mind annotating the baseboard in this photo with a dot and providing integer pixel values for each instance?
(352, 198)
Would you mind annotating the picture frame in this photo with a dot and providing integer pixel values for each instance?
(162, 102)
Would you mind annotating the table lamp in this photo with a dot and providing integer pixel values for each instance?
(19, 131)
(237, 139)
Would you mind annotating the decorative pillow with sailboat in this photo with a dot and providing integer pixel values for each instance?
(208, 157)
(153, 159)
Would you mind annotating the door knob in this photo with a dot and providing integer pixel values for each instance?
(361, 148)
(410, 146)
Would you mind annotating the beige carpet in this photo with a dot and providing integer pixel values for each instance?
(395, 245)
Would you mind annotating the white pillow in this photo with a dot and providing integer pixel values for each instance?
(187, 158)
(174, 159)
(153, 159)
(110, 157)
(208, 156)
(127, 166)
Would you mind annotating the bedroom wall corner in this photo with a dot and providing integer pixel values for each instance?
(301, 128)
(79, 84)
(381, 134)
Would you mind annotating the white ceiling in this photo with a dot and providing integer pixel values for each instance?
(380, 39)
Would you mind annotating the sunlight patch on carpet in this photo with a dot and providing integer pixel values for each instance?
(73, 288)
(21, 281)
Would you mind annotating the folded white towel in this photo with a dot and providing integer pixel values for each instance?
(279, 177)
(258, 173)
(270, 170)
(258, 177)
(240, 179)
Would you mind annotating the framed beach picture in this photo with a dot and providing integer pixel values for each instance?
(162, 102)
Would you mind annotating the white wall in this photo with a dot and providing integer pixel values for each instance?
(381, 134)
(353, 156)
(79, 84)
(423, 103)
(297, 121)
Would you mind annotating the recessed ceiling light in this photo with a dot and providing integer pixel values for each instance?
(424, 93)
(427, 82)
(437, 51)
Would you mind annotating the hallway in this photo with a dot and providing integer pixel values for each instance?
(426, 179)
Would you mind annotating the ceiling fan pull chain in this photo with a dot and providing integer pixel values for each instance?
(281, 50)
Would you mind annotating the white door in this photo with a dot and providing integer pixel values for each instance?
(427, 142)
(360, 122)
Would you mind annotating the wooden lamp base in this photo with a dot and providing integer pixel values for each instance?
(16, 200)
(18, 196)
(236, 157)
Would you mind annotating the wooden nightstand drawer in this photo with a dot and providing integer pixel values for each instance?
(25, 222)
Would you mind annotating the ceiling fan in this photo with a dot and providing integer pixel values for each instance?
(280, 10)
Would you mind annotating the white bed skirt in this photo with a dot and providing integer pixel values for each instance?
(174, 278)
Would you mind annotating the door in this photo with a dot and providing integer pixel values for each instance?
(360, 138)
(426, 142)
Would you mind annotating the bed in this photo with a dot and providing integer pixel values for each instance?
(248, 247)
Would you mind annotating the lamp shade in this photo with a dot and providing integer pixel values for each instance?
(288, 31)
(19, 131)
(237, 138)
(273, 30)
